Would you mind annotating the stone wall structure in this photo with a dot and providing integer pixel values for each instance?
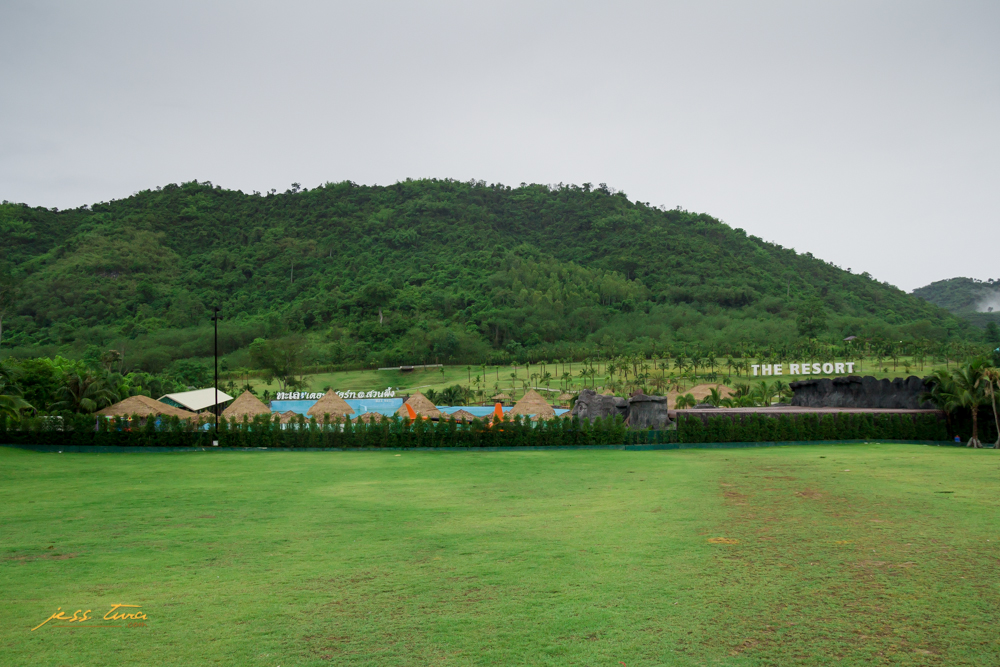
(590, 405)
(646, 412)
(855, 391)
(640, 411)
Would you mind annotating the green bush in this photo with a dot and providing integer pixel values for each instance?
(757, 427)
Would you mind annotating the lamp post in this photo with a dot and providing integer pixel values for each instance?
(216, 316)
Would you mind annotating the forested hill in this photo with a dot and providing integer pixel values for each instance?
(422, 270)
(968, 298)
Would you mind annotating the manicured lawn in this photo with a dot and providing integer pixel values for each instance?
(875, 554)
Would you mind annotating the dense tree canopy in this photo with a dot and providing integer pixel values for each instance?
(417, 271)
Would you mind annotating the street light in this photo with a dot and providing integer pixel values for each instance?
(216, 316)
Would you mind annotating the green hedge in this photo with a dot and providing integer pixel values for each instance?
(87, 430)
(84, 430)
(756, 427)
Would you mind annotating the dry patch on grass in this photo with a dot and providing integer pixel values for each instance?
(821, 562)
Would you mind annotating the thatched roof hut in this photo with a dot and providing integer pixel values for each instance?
(461, 416)
(501, 397)
(420, 405)
(532, 403)
(144, 406)
(288, 417)
(331, 404)
(370, 418)
(246, 404)
(566, 397)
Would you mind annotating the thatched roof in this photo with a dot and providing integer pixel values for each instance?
(370, 417)
(501, 397)
(144, 406)
(566, 397)
(532, 403)
(420, 405)
(331, 404)
(289, 417)
(246, 404)
(461, 416)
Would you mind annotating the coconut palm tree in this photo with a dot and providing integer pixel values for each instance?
(84, 393)
(992, 378)
(960, 389)
(567, 378)
(781, 390)
(764, 392)
(11, 402)
(714, 396)
(684, 401)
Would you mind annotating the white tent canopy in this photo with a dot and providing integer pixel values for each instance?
(196, 400)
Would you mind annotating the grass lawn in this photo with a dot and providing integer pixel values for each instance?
(817, 555)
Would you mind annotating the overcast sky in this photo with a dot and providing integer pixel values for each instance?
(865, 132)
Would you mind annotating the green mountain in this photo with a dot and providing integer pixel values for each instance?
(974, 300)
(422, 271)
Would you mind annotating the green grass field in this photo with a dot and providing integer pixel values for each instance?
(818, 555)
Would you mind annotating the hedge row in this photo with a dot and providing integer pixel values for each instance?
(755, 427)
(82, 430)
(85, 430)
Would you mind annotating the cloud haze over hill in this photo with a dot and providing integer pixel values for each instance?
(862, 132)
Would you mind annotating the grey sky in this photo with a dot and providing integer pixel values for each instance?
(864, 132)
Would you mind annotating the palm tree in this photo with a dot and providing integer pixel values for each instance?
(960, 389)
(11, 402)
(781, 390)
(84, 393)
(714, 396)
(764, 392)
(970, 394)
(992, 377)
(684, 401)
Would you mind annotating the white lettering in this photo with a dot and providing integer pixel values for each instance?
(793, 369)
(817, 369)
(805, 369)
(828, 368)
(777, 369)
(839, 368)
(755, 367)
(850, 366)
(765, 369)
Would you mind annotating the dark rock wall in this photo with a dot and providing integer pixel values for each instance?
(640, 411)
(590, 405)
(646, 412)
(854, 391)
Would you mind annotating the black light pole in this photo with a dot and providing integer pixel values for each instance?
(215, 318)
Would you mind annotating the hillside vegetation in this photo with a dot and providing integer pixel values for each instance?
(430, 270)
(968, 298)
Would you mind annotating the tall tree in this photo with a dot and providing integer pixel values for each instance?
(10, 291)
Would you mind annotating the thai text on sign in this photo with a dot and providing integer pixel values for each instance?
(389, 392)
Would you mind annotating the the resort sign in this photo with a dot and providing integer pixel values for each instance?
(388, 392)
(803, 369)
